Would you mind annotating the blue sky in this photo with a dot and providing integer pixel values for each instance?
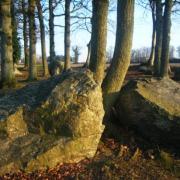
(142, 34)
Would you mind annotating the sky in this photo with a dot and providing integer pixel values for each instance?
(141, 38)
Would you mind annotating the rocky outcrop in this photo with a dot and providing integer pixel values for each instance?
(58, 120)
(16, 70)
(152, 108)
(56, 67)
(146, 68)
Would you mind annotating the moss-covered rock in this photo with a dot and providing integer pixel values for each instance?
(58, 120)
(152, 108)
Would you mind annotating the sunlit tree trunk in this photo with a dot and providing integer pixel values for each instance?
(67, 42)
(122, 53)
(158, 47)
(166, 38)
(7, 70)
(88, 55)
(99, 38)
(25, 34)
(32, 42)
(51, 31)
(43, 40)
(153, 44)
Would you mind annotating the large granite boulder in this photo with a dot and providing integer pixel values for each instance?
(58, 120)
(152, 108)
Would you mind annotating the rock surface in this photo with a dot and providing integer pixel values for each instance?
(146, 69)
(152, 108)
(56, 67)
(58, 120)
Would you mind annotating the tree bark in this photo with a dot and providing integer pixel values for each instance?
(67, 42)
(32, 37)
(43, 40)
(122, 53)
(51, 31)
(88, 55)
(76, 51)
(15, 39)
(158, 47)
(99, 38)
(166, 38)
(153, 44)
(76, 58)
(25, 34)
(7, 70)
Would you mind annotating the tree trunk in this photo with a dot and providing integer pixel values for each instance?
(122, 53)
(43, 40)
(51, 31)
(7, 70)
(76, 51)
(15, 39)
(67, 36)
(152, 55)
(25, 34)
(32, 37)
(99, 38)
(166, 38)
(158, 47)
(88, 55)
(76, 58)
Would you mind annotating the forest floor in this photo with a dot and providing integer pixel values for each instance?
(115, 159)
(127, 157)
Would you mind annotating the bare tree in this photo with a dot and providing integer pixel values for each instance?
(43, 40)
(158, 47)
(32, 37)
(67, 42)
(76, 50)
(51, 31)
(166, 38)
(98, 38)
(140, 55)
(88, 55)
(15, 35)
(7, 70)
(25, 33)
(122, 53)
(153, 12)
